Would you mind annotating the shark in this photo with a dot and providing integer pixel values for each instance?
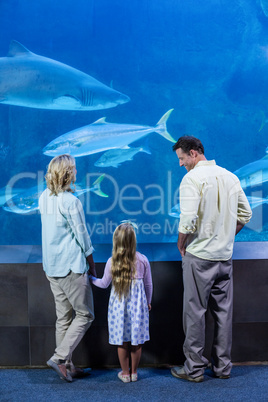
(115, 157)
(254, 173)
(101, 136)
(27, 201)
(30, 80)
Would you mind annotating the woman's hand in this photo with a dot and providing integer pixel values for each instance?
(91, 263)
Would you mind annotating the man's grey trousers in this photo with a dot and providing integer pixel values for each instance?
(207, 284)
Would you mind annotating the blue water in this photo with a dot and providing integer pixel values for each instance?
(208, 60)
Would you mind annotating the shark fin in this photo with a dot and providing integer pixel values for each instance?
(161, 126)
(263, 122)
(146, 150)
(265, 157)
(16, 49)
(96, 187)
(164, 118)
(100, 121)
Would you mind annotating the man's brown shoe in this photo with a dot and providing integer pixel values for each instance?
(223, 376)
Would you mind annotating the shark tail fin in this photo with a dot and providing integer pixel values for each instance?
(161, 127)
(96, 187)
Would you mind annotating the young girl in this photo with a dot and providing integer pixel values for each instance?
(130, 299)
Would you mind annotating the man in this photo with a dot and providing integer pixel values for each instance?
(67, 256)
(214, 209)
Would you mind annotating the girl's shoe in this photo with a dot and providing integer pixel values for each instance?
(124, 377)
(134, 377)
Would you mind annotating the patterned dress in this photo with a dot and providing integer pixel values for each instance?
(128, 318)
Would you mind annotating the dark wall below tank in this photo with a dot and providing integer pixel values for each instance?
(27, 317)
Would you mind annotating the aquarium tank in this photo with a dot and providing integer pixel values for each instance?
(115, 84)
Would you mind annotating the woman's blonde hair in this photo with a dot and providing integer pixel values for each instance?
(61, 174)
(123, 258)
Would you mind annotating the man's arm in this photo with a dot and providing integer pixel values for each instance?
(244, 212)
(189, 204)
(182, 239)
(239, 226)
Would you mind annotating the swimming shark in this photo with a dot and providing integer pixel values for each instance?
(115, 157)
(101, 136)
(27, 201)
(254, 173)
(27, 79)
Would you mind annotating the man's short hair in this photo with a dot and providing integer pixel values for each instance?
(187, 142)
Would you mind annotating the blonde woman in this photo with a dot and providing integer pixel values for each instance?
(130, 299)
(67, 259)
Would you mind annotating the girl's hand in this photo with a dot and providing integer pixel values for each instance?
(149, 307)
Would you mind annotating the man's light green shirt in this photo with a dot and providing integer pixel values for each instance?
(211, 203)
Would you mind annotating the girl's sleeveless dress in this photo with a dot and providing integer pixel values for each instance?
(128, 318)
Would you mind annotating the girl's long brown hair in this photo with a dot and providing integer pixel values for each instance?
(123, 258)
